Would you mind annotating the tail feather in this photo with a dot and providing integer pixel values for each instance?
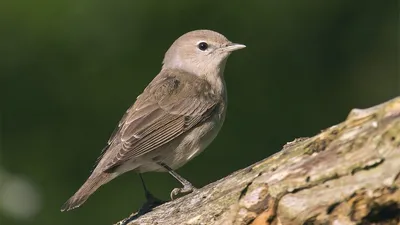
(87, 189)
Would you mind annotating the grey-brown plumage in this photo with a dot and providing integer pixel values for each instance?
(178, 114)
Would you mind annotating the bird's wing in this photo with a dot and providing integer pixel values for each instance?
(172, 104)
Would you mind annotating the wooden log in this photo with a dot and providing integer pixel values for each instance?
(347, 174)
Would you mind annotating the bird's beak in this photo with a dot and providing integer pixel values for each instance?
(233, 47)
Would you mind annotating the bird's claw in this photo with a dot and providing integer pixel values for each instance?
(176, 192)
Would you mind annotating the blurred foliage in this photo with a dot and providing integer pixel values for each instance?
(70, 69)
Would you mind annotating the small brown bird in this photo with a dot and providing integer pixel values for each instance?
(175, 118)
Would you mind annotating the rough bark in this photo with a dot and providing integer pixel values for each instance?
(347, 174)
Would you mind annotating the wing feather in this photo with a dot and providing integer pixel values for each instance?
(169, 107)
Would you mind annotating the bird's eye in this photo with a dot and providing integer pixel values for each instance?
(202, 46)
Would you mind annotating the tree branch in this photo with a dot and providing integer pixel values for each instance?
(347, 174)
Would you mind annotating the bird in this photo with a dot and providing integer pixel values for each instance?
(175, 118)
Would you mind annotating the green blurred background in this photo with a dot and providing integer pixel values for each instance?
(70, 69)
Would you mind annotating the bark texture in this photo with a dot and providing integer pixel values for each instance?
(347, 174)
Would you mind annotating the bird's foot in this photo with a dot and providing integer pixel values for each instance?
(151, 202)
(178, 192)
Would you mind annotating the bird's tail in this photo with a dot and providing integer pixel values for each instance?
(87, 189)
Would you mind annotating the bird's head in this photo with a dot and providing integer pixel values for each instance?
(201, 52)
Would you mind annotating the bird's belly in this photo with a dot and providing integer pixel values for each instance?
(194, 143)
(184, 148)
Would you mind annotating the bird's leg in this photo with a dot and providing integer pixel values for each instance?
(151, 201)
(187, 186)
(147, 193)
